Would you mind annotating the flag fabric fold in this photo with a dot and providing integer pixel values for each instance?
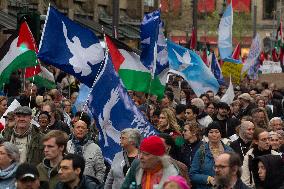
(134, 75)
(149, 37)
(70, 47)
(18, 52)
(237, 52)
(191, 67)
(108, 101)
(229, 96)
(225, 33)
(254, 52)
(193, 39)
(216, 70)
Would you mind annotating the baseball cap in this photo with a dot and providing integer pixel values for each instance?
(26, 171)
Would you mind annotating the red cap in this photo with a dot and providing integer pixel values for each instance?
(153, 145)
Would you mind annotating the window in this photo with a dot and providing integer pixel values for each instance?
(269, 8)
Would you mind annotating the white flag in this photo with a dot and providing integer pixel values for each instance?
(229, 95)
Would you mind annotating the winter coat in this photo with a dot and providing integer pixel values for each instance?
(7, 177)
(92, 154)
(85, 183)
(48, 175)
(35, 147)
(274, 172)
(203, 166)
(239, 185)
(188, 151)
(240, 147)
(228, 126)
(247, 175)
(116, 176)
(135, 174)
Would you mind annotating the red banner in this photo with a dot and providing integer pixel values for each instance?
(206, 6)
(170, 5)
(241, 5)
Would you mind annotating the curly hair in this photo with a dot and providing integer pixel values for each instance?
(171, 119)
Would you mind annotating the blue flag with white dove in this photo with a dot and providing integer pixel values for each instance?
(70, 47)
(114, 111)
(216, 69)
(149, 37)
(191, 67)
(225, 33)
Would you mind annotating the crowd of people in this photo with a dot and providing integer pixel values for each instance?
(202, 142)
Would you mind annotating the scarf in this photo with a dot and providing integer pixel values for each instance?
(78, 144)
(9, 171)
(26, 133)
(149, 176)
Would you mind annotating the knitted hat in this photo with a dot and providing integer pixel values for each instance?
(179, 180)
(213, 125)
(153, 145)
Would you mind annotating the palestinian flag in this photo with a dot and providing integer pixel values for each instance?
(18, 52)
(40, 76)
(134, 75)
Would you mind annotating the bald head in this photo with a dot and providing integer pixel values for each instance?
(246, 130)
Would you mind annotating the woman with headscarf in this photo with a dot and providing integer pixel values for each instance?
(202, 168)
(269, 173)
(129, 141)
(9, 160)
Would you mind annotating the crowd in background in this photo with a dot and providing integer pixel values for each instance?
(203, 142)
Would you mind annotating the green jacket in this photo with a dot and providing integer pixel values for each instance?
(35, 146)
(47, 174)
(135, 175)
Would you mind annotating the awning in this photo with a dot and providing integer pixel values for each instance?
(241, 5)
(213, 40)
(206, 6)
(179, 39)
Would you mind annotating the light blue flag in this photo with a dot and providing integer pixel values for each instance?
(114, 111)
(225, 33)
(82, 99)
(230, 59)
(216, 70)
(149, 37)
(191, 67)
(70, 47)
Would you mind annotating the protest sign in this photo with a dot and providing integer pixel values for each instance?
(233, 70)
(270, 67)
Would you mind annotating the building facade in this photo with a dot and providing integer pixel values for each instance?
(177, 15)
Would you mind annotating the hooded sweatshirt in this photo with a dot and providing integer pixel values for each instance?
(274, 171)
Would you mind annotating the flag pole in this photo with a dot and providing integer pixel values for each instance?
(96, 77)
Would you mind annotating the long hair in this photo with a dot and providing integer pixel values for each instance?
(171, 119)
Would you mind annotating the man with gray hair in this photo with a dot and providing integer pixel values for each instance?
(9, 160)
(202, 118)
(25, 136)
(242, 144)
(276, 123)
(129, 141)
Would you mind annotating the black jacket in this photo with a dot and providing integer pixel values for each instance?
(239, 185)
(240, 147)
(86, 183)
(188, 151)
(228, 126)
(274, 172)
